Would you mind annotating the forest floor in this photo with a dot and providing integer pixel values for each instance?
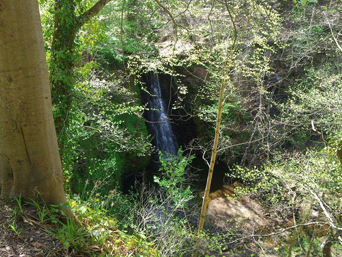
(24, 236)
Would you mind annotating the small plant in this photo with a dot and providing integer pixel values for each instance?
(71, 235)
(19, 202)
(17, 214)
(16, 230)
(162, 214)
(172, 181)
(43, 211)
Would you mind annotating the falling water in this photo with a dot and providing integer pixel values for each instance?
(159, 123)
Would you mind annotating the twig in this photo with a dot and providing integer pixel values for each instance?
(333, 36)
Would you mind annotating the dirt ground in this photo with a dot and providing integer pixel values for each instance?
(25, 236)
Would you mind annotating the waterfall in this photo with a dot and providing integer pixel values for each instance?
(159, 123)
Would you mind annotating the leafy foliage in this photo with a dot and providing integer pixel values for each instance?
(162, 214)
(304, 188)
(281, 101)
(103, 136)
(173, 178)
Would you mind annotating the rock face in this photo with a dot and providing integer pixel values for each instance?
(241, 213)
(226, 212)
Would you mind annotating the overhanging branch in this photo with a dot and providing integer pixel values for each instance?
(91, 12)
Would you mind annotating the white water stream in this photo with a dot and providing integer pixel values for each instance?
(157, 116)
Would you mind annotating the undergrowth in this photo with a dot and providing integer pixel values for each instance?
(91, 232)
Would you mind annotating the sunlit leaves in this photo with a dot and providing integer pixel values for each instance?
(317, 98)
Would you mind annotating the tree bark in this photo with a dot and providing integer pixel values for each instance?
(30, 164)
(327, 248)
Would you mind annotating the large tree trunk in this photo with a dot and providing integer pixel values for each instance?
(30, 164)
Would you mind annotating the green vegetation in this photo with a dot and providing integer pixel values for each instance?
(278, 64)
(93, 232)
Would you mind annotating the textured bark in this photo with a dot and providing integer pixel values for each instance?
(30, 164)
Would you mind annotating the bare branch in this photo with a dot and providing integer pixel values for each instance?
(171, 16)
(333, 36)
(326, 213)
